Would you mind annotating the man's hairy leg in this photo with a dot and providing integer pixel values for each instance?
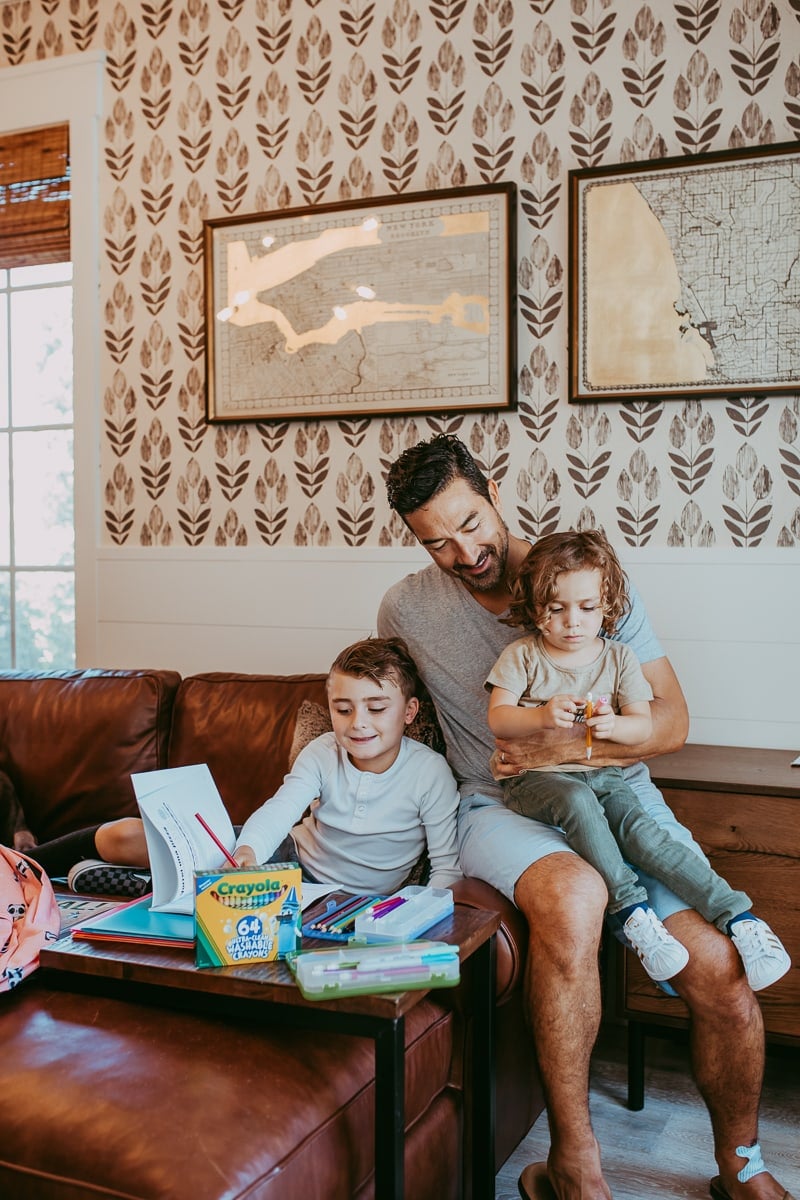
(564, 901)
(727, 1048)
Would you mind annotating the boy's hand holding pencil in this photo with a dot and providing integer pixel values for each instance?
(245, 856)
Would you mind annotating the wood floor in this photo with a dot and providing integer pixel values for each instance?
(665, 1150)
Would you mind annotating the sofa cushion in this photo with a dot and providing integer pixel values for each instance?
(311, 722)
(70, 740)
(242, 726)
(108, 1097)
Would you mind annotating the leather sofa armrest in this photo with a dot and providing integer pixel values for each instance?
(512, 936)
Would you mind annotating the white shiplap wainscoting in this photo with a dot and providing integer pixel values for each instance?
(728, 620)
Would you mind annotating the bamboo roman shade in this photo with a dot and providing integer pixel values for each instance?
(34, 196)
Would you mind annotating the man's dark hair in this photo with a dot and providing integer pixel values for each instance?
(379, 659)
(425, 470)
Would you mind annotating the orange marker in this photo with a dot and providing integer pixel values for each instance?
(586, 714)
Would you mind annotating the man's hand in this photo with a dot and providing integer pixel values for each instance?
(545, 749)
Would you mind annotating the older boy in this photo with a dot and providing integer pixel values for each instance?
(377, 797)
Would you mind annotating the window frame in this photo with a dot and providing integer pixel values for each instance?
(50, 92)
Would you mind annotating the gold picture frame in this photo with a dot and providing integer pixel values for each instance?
(395, 305)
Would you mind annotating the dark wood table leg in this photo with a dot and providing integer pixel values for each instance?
(482, 965)
(390, 1087)
(636, 1065)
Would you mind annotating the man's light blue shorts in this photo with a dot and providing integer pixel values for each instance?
(499, 845)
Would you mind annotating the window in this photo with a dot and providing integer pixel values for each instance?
(37, 537)
(67, 89)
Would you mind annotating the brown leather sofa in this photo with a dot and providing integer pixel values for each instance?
(127, 1095)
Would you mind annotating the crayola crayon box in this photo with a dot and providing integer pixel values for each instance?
(247, 915)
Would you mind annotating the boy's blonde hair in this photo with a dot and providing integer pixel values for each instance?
(534, 585)
(379, 659)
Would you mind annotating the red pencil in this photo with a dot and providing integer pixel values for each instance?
(216, 840)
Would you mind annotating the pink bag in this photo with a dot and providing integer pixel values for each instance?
(29, 916)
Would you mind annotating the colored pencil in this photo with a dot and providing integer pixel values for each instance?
(587, 714)
(321, 920)
(217, 841)
(330, 919)
(347, 920)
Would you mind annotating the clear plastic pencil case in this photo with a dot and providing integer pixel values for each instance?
(397, 918)
(414, 909)
(359, 970)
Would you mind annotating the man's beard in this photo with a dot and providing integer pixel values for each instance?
(493, 577)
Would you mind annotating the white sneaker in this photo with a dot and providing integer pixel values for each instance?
(661, 954)
(762, 952)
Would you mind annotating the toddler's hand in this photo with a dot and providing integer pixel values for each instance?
(603, 718)
(561, 711)
(245, 856)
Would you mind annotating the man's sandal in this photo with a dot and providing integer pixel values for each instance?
(718, 1190)
(753, 1166)
(534, 1183)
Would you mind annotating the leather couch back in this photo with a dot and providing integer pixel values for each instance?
(70, 740)
(242, 726)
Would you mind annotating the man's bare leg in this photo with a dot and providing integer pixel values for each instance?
(564, 901)
(727, 1048)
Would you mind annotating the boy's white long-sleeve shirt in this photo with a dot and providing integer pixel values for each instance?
(365, 831)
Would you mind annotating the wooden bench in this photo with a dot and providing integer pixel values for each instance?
(743, 807)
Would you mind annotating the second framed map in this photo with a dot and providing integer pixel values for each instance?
(394, 305)
(685, 276)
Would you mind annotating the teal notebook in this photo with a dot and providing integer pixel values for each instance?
(136, 922)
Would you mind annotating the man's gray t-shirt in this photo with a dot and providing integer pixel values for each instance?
(455, 642)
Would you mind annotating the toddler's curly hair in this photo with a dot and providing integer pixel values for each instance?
(534, 584)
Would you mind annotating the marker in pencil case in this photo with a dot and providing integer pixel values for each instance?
(405, 958)
(385, 907)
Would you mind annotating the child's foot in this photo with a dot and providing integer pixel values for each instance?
(661, 954)
(761, 951)
(108, 879)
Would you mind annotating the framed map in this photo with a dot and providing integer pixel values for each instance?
(685, 276)
(394, 305)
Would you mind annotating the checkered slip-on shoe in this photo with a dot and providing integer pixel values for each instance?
(106, 879)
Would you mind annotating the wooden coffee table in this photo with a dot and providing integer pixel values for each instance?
(120, 968)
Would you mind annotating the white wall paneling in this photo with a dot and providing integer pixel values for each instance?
(727, 620)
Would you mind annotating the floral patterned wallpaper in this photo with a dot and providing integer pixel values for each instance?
(221, 107)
